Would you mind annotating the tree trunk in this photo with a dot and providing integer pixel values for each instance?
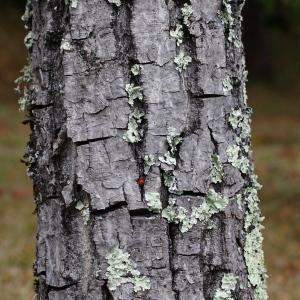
(140, 153)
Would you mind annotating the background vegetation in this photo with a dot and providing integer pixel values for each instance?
(272, 39)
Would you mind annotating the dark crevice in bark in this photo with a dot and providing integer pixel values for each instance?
(61, 288)
(172, 228)
(111, 208)
(143, 212)
(86, 142)
(205, 96)
(40, 106)
(106, 294)
(192, 194)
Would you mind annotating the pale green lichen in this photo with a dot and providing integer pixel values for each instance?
(22, 87)
(134, 133)
(213, 203)
(182, 61)
(121, 270)
(228, 21)
(149, 161)
(173, 139)
(133, 92)
(116, 2)
(217, 169)
(84, 210)
(28, 40)
(74, 3)
(136, 70)
(28, 13)
(168, 159)
(237, 159)
(227, 85)
(177, 34)
(65, 45)
(170, 181)
(187, 11)
(241, 121)
(153, 201)
(229, 282)
(253, 251)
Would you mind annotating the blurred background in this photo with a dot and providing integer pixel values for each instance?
(272, 41)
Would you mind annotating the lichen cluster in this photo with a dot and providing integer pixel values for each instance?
(121, 270)
(21, 88)
(177, 34)
(212, 204)
(168, 161)
(23, 82)
(226, 16)
(182, 59)
(217, 169)
(227, 85)
(116, 2)
(187, 12)
(238, 153)
(134, 133)
(84, 210)
(229, 282)
(74, 3)
(253, 251)
(149, 161)
(153, 201)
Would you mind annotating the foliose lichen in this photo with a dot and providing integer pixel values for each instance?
(228, 21)
(65, 45)
(182, 61)
(169, 159)
(121, 270)
(237, 159)
(116, 2)
(241, 121)
(149, 161)
(153, 201)
(136, 70)
(134, 93)
(173, 139)
(21, 88)
(134, 133)
(253, 251)
(213, 203)
(28, 40)
(74, 3)
(229, 282)
(217, 169)
(187, 11)
(177, 34)
(227, 86)
(27, 14)
(84, 210)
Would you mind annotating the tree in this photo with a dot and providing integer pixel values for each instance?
(140, 151)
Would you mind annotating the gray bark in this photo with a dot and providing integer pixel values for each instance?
(85, 172)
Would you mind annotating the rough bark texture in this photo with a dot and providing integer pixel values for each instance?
(85, 172)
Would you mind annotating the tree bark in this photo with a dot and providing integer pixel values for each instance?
(140, 153)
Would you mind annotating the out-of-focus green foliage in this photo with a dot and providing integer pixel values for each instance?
(281, 12)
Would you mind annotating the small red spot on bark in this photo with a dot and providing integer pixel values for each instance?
(141, 181)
